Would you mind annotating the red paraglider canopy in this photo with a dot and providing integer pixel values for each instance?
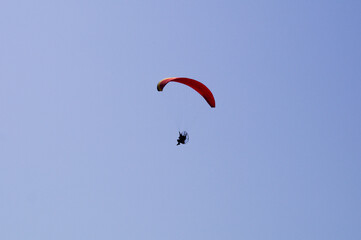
(198, 86)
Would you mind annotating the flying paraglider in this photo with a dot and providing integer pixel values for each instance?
(197, 86)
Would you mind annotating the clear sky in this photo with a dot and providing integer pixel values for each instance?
(88, 146)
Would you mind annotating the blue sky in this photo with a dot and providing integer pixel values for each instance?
(88, 144)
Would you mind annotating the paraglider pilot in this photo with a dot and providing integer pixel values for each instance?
(182, 138)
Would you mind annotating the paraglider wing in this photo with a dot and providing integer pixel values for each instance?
(198, 86)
